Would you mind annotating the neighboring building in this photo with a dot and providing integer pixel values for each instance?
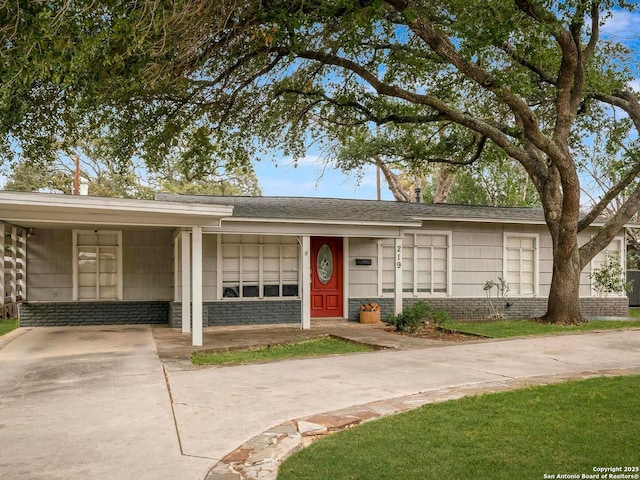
(248, 260)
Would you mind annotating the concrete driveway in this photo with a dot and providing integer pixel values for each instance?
(88, 403)
(92, 402)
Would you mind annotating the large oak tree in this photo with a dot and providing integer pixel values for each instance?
(447, 80)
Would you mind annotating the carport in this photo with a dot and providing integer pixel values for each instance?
(26, 214)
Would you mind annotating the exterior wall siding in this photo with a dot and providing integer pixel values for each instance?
(363, 279)
(476, 257)
(147, 265)
(241, 313)
(93, 313)
(50, 266)
(146, 257)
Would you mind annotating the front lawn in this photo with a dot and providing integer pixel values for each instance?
(519, 328)
(312, 348)
(563, 429)
(8, 325)
(634, 312)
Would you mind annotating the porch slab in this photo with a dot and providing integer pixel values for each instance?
(174, 347)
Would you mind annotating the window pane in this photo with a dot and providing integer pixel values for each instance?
(528, 243)
(108, 239)
(108, 260)
(513, 242)
(250, 291)
(290, 290)
(87, 280)
(250, 264)
(271, 265)
(423, 240)
(407, 275)
(231, 291)
(87, 239)
(290, 264)
(271, 291)
(439, 241)
(87, 260)
(231, 264)
(87, 293)
(108, 293)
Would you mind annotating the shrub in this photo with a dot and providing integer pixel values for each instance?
(412, 318)
(609, 278)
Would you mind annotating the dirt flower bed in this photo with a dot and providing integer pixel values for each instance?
(433, 332)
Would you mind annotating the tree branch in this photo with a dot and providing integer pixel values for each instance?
(544, 76)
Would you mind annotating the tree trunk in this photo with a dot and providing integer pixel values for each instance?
(446, 177)
(564, 295)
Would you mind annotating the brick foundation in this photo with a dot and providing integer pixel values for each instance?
(241, 313)
(479, 308)
(287, 311)
(93, 313)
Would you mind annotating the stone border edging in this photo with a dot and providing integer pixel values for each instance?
(260, 457)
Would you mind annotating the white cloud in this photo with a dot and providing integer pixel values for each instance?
(308, 160)
(635, 85)
(622, 25)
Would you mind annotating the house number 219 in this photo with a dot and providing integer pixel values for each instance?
(398, 257)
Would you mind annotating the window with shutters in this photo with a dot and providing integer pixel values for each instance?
(97, 270)
(256, 266)
(425, 264)
(520, 264)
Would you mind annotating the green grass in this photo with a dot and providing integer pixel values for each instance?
(312, 348)
(7, 325)
(558, 429)
(634, 312)
(518, 328)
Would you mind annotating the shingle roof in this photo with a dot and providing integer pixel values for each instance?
(346, 210)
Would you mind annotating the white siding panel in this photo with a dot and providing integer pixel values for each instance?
(477, 257)
(209, 265)
(147, 264)
(363, 279)
(50, 253)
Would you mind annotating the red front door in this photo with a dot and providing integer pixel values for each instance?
(326, 277)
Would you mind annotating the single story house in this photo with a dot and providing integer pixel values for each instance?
(193, 261)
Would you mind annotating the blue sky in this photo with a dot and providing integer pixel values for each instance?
(312, 179)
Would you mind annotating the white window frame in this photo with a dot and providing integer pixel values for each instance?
(261, 283)
(536, 260)
(449, 285)
(623, 262)
(119, 263)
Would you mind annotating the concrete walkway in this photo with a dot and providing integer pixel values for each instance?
(92, 402)
(219, 408)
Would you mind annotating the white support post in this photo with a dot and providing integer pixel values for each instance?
(305, 258)
(196, 244)
(176, 268)
(345, 277)
(397, 248)
(185, 242)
